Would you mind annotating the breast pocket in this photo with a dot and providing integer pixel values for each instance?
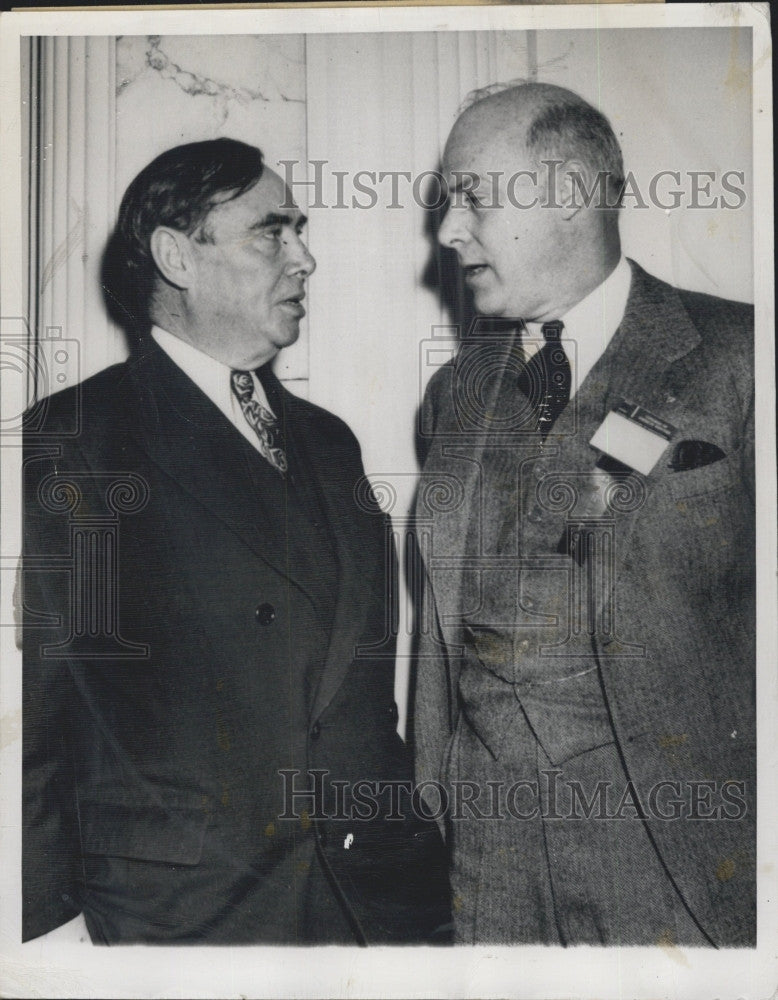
(707, 479)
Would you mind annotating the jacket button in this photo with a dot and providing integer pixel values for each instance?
(535, 516)
(316, 731)
(265, 614)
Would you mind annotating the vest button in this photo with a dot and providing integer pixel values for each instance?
(316, 731)
(265, 614)
(535, 516)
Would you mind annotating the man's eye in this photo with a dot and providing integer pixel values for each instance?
(463, 199)
(272, 233)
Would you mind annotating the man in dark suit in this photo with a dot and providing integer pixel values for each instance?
(207, 580)
(586, 684)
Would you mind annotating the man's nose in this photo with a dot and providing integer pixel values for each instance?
(300, 259)
(453, 230)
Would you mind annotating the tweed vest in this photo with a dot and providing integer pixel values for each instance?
(548, 527)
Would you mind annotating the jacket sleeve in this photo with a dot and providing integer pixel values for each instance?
(433, 714)
(748, 452)
(50, 842)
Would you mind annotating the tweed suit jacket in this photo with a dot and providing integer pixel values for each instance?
(678, 672)
(151, 773)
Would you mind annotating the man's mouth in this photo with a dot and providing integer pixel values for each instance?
(294, 304)
(473, 271)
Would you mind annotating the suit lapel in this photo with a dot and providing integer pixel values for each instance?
(191, 440)
(648, 367)
(359, 561)
(643, 363)
(460, 459)
(655, 334)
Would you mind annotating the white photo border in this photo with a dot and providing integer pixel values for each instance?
(38, 969)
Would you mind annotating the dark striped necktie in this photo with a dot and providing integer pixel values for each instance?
(547, 378)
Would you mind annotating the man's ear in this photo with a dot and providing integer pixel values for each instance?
(572, 183)
(172, 254)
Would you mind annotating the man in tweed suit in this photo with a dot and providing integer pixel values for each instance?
(586, 683)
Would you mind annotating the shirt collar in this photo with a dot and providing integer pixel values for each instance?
(591, 323)
(208, 374)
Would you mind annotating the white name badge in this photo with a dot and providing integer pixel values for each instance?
(633, 436)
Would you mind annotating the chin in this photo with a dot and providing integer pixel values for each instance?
(287, 336)
(282, 335)
(489, 307)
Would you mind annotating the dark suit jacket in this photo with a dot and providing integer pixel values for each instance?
(680, 683)
(194, 663)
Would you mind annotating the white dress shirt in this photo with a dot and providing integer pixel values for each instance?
(213, 378)
(589, 325)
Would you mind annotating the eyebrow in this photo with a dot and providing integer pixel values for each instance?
(474, 180)
(279, 219)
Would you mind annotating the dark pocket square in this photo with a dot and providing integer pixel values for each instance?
(688, 455)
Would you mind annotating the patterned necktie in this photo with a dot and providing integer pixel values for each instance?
(267, 428)
(547, 377)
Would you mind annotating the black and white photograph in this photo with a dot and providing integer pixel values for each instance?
(388, 591)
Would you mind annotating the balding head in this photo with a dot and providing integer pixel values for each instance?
(522, 164)
(547, 123)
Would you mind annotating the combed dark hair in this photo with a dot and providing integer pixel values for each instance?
(565, 127)
(177, 189)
